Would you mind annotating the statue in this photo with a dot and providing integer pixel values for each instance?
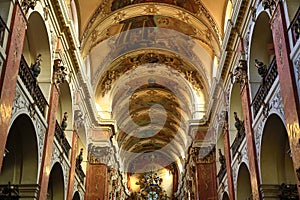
(61, 72)
(36, 67)
(64, 122)
(222, 160)
(261, 67)
(79, 159)
(239, 125)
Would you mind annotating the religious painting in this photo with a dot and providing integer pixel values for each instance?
(189, 5)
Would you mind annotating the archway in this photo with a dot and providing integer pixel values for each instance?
(261, 49)
(225, 196)
(37, 42)
(243, 183)
(65, 106)
(275, 162)
(56, 183)
(76, 196)
(235, 107)
(20, 164)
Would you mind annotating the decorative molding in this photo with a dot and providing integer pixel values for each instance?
(22, 105)
(148, 57)
(101, 24)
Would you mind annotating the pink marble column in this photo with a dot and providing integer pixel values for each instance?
(73, 165)
(48, 144)
(252, 156)
(287, 84)
(9, 74)
(96, 182)
(228, 162)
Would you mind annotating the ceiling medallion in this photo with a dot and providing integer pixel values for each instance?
(150, 58)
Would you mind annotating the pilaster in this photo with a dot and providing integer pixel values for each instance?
(287, 84)
(9, 74)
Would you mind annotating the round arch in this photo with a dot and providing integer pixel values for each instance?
(243, 189)
(76, 196)
(235, 106)
(56, 183)
(225, 196)
(275, 161)
(37, 42)
(20, 163)
(261, 48)
(65, 105)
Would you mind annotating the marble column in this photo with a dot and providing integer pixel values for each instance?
(241, 77)
(97, 173)
(9, 74)
(96, 182)
(252, 155)
(48, 143)
(228, 156)
(287, 84)
(73, 165)
(206, 176)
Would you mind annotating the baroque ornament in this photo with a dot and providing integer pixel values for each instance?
(150, 58)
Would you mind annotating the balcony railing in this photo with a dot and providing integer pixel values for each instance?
(60, 136)
(32, 86)
(3, 27)
(80, 174)
(295, 27)
(265, 87)
(237, 142)
(19, 191)
(282, 191)
(221, 174)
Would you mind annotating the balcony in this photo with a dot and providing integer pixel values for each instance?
(221, 174)
(265, 87)
(19, 191)
(61, 138)
(295, 27)
(3, 27)
(80, 174)
(32, 86)
(276, 191)
(237, 142)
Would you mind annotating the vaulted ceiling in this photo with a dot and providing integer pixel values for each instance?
(151, 66)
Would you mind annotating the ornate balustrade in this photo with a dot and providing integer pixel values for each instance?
(295, 27)
(80, 174)
(265, 87)
(237, 142)
(221, 174)
(60, 136)
(19, 191)
(3, 27)
(282, 191)
(32, 86)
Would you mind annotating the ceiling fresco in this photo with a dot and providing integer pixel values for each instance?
(189, 5)
(151, 69)
(130, 63)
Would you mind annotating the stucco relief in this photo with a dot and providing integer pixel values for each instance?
(22, 105)
(275, 106)
(58, 156)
